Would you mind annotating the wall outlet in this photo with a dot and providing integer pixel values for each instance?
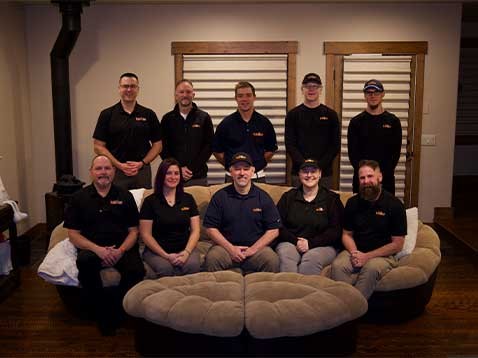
(429, 139)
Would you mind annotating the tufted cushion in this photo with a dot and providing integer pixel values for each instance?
(203, 303)
(291, 304)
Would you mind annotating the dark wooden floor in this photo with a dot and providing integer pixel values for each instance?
(34, 322)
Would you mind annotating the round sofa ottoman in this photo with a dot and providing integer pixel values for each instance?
(193, 315)
(224, 313)
(299, 315)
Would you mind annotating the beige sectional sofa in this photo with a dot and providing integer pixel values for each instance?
(401, 294)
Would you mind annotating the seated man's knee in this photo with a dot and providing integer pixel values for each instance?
(267, 260)
(217, 259)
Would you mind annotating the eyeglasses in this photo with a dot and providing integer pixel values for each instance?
(311, 87)
(129, 86)
(371, 94)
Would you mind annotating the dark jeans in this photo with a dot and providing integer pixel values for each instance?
(131, 268)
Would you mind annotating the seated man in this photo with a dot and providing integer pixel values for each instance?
(242, 220)
(375, 225)
(102, 222)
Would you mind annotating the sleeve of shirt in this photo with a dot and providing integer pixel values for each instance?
(349, 215)
(102, 126)
(147, 212)
(290, 138)
(352, 144)
(193, 210)
(213, 217)
(165, 152)
(397, 142)
(271, 218)
(155, 135)
(132, 215)
(73, 214)
(206, 149)
(334, 146)
(332, 235)
(218, 140)
(270, 144)
(284, 233)
(399, 220)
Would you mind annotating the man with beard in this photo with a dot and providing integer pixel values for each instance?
(374, 229)
(242, 220)
(187, 135)
(102, 222)
(375, 134)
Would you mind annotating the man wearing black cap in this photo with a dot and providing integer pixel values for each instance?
(242, 220)
(312, 130)
(375, 134)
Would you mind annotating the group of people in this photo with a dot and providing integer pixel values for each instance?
(305, 232)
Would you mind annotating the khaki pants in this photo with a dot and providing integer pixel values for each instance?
(364, 279)
(265, 260)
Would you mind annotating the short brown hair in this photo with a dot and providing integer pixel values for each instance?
(369, 163)
(244, 84)
(184, 80)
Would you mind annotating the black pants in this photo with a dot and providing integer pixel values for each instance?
(131, 268)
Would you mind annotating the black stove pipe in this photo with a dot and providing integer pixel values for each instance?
(60, 82)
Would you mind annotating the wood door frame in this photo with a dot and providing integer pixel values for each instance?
(335, 52)
(289, 48)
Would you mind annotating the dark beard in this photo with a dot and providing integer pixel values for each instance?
(370, 192)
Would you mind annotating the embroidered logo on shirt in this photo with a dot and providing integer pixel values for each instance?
(256, 210)
(388, 126)
(324, 118)
(379, 213)
(185, 208)
(258, 134)
(319, 209)
(116, 202)
(196, 126)
(140, 119)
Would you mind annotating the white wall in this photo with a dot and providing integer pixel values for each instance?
(15, 115)
(120, 38)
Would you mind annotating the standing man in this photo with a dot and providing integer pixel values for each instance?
(375, 225)
(129, 135)
(242, 220)
(102, 222)
(312, 130)
(375, 134)
(187, 135)
(245, 131)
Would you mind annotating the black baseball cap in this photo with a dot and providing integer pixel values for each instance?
(311, 78)
(373, 84)
(241, 157)
(309, 163)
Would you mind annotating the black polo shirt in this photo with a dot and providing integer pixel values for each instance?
(128, 136)
(171, 224)
(104, 221)
(312, 133)
(255, 137)
(242, 219)
(188, 140)
(374, 223)
(318, 221)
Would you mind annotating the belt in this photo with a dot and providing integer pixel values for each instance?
(259, 174)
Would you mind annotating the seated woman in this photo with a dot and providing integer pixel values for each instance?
(311, 224)
(169, 224)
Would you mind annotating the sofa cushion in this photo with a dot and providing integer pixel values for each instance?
(291, 304)
(209, 303)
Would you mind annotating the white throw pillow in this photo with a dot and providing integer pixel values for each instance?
(138, 196)
(412, 229)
